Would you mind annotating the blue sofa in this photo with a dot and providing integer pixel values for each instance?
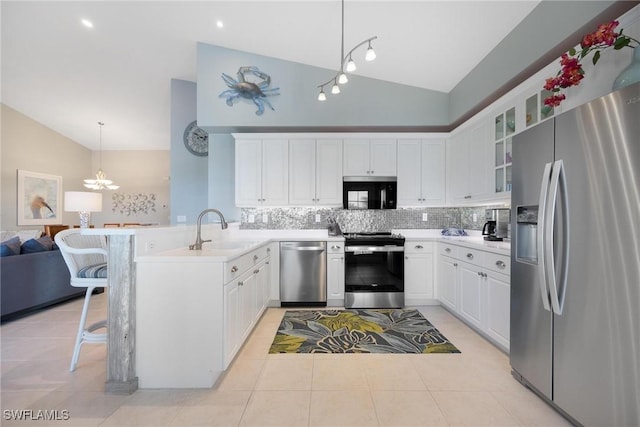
(32, 281)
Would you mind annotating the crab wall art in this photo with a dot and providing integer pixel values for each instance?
(252, 84)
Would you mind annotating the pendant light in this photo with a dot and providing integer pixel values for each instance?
(101, 182)
(346, 64)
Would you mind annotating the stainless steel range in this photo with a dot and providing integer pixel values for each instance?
(374, 270)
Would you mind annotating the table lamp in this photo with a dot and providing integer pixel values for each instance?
(84, 203)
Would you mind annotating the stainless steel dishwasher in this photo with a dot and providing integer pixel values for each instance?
(303, 274)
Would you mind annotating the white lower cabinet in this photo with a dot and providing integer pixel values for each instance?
(194, 314)
(498, 307)
(473, 285)
(244, 301)
(418, 273)
(335, 274)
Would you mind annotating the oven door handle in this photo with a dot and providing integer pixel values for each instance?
(371, 249)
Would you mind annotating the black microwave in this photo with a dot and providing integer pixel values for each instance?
(374, 192)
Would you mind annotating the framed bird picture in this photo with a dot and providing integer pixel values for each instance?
(39, 198)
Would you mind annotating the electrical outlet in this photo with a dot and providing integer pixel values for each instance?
(252, 218)
(317, 217)
(181, 218)
(425, 216)
(265, 218)
(475, 217)
(149, 246)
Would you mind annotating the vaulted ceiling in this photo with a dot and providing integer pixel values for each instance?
(68, 76)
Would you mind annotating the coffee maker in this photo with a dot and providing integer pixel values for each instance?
(496, 228)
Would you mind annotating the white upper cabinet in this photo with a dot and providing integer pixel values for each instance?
(315, 172)
(262, 172)
(369, 157)
(421, 172)
(469, 165)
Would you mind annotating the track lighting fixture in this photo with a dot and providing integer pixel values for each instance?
(346, 64)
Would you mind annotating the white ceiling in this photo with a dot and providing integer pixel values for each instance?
(69, 77)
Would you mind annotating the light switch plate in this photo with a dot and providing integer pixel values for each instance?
(425, 216)
(265, 218)
(252, 218)
(181, 218)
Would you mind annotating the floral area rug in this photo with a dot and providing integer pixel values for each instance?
(358, 331)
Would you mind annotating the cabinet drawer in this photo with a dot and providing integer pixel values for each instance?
(498, 263)
(448, 250)
(335, 247)
(418, 247)
(235, 268)
(471, 256)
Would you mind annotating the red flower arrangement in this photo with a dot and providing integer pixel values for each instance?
(571, 71)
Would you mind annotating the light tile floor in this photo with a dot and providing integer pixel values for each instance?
(474, 388)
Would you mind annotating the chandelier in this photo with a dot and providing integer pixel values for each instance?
(346, 64)
(101, 182)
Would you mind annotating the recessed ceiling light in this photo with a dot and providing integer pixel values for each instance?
(87, 23)
(219, 24)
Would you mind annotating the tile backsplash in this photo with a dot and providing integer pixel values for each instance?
(363, 220)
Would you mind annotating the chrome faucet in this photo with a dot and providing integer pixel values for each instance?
(198, 244)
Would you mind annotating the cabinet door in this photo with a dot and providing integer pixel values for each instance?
(447, 282)
(261, 273)
(356, 157)
(433, 172)
(275, 172)
(329, 172)
(409, 174)
(383, 157)
(471, 293)
(418, 277)
(302, 172)
(335, 277)
(498, 305)
(247, 305)
(456, 168)
(480, 165)
(231, 321)
(248, 173)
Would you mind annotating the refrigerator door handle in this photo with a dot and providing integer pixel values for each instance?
(558, 181)
(540, 237)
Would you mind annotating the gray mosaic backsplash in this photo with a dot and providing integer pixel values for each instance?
(363, 220)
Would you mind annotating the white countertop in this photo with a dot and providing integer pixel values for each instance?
(473, 240)
(239, 242)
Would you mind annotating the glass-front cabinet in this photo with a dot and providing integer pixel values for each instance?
(535, 110)
(504, 128)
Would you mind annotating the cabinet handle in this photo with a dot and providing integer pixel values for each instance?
(255, 258)
(256, 271)
(335, 247)
(234, 268)
(455, 264)
(470, 255)
(419, 247)
(406, 257)
(467, 197)
(268, 250)
(267, 263)
(479, 274)
(240, 284)
(372, 171)
(447, 250)
(501, 264)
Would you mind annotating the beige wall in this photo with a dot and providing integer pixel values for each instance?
(27, 145)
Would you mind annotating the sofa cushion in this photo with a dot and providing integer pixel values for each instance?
(42, 244)
(10, 247)
(98, 271)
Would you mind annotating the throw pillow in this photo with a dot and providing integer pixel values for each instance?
(42, 244)
(10, 247)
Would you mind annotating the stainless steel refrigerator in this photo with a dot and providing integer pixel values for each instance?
(575, 259)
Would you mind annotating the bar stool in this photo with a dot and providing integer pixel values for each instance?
(86, 259)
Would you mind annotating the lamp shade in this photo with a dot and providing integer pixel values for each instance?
(82, 201)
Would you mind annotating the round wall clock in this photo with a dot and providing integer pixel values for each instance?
(196, 140)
